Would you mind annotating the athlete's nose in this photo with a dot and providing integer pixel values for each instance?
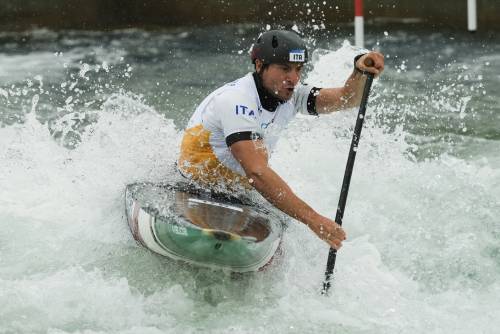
(293, 77)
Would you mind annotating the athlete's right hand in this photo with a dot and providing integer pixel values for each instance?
(329, 231)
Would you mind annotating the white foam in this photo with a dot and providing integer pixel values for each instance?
(416, 259)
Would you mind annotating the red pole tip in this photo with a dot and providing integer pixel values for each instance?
(358, 7)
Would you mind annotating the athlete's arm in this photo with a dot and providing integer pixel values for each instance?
(349, 96)
(252, 156)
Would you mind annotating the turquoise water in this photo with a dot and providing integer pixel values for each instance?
(84, 114)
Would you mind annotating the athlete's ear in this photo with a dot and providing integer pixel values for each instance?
(258, 65)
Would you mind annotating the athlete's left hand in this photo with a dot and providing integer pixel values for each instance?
(372, 62)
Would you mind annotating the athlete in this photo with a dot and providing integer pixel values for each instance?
(229, 138)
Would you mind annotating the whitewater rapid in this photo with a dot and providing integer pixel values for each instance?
(422, 253)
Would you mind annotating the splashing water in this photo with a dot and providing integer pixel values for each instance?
(423, 249)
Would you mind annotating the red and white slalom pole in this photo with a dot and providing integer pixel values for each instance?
(359, 35)
(471, 15)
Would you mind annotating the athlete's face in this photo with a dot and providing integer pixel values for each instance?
(280, 79)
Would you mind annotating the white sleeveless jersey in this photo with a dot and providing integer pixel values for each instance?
(233, 108)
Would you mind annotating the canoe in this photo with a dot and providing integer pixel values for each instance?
(205, 229)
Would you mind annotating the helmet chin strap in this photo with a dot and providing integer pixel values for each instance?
(268, 99)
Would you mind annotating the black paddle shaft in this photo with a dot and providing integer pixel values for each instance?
(332, 255)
